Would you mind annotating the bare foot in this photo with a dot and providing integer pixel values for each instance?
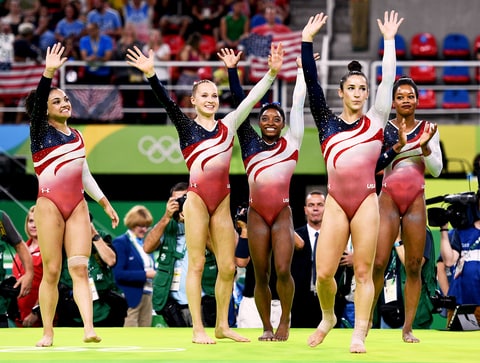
(230, 334)
(46, 341)
(92, 339)
(267, 336)
(202, 338)
(408, 337)
(357, 347)
(319, 335)
(282, 333)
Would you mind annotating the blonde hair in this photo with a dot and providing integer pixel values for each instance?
(138, 215)
(30, 211)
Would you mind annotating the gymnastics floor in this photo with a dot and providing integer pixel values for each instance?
(174, 345)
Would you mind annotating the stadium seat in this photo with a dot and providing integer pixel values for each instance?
(478, 99)
(424, 46)
(456, 46)
(400, 47)
(398, 74)
(423, 74)
(476, 56)
(176, 43)
(208, 46)
(456, 75)
(427, 99)
(456, 98)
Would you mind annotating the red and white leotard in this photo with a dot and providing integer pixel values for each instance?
(403, 178)
(207, 153)
(350, 150)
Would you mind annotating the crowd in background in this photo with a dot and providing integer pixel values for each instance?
(97, 31)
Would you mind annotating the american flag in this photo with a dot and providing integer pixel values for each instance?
(20, 78)
(103, 104)
(257, 48)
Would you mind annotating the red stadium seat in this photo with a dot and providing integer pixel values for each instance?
(478, 99)
(176, 43)
(476, 55)
(423, 74)
(427, 99)
(456, 46)
(424, 46)
(208, 46)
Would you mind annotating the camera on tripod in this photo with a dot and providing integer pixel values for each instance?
(461, 212)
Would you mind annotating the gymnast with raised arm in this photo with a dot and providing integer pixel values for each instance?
(206, 146)
(351, 144)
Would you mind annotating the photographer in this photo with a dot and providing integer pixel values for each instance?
(10, 289)
(462, 254)
(109, 306)
(169, 283)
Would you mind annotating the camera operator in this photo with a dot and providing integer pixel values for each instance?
(10, 289)
(169, 283)
(462, 254)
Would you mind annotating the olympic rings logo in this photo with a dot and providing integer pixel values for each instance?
(158, 151)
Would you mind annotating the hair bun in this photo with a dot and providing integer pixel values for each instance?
(354, 66)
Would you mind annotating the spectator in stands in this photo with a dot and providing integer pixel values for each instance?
(107, 18)
(23, 47)
(6, 57)
(270, 26)
(128, 75)
(233, 26)
(95, 49)
(161, 51)
(70, 25)
(28, 308)
(206, 17)
(191, 53)
(173, 16)
(15, 16)
(44, 36)
(140, 14)
(259, 14)
(30, 9)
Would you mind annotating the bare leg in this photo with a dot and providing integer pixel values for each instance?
(78, 248)
(196, 233)
(50, 227)
(222, 236)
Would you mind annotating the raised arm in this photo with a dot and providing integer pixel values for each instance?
(275, 60)
(383, 99)
(298, 101)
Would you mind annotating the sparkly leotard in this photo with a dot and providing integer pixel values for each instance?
(270, 166)
(207, 153)
(404, 178)
(58, 158)
(350, 150)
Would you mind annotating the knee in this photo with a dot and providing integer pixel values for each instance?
(226, 271)
(77, 266)
(413, 267)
